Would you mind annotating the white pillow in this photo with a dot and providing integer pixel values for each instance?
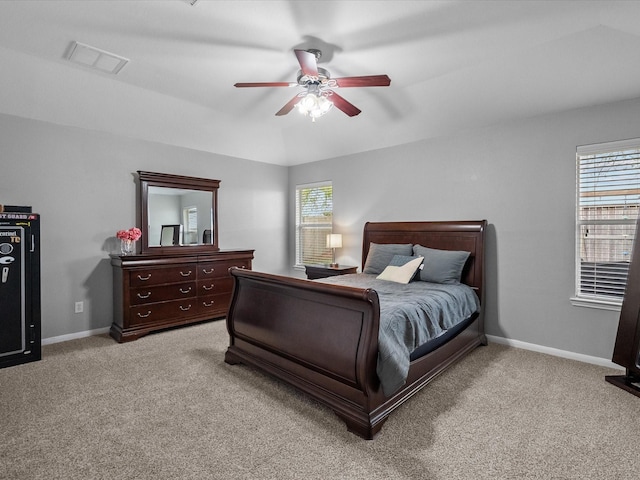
(402, 274)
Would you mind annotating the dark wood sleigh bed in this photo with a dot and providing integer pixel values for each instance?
(323, 338)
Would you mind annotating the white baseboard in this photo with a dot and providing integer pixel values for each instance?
(73, 336)
(603, 362)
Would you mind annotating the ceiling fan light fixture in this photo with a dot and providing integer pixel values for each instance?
(314, 106)
(315, 103)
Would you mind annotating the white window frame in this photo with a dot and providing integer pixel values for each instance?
(190, 228)
(598, 300)
(327, 226)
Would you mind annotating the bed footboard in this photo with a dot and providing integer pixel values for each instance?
(322, 339)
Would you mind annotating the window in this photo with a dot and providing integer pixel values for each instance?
(190, 215)
(314, 220)
(608, 200)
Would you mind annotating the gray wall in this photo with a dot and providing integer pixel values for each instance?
(82, 184)
(521, 178)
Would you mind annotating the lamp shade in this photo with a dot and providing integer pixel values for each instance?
(334, 240)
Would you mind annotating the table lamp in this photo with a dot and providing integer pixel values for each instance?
(334, 240)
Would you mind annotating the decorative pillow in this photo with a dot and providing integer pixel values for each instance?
(400, 260)
(441, 266)
(380, 254)
(401, 274)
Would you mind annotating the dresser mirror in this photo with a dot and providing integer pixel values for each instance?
(177, 214)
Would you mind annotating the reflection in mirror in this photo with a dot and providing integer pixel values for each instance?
(170, 235)
(187, 212)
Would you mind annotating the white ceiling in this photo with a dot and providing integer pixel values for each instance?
(453, 65)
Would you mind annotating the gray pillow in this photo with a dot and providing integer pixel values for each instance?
(400, 260)
(441, 266)
(380, 254)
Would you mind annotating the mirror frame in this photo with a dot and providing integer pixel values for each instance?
(152, 179)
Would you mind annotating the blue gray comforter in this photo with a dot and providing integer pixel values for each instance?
(410, 315)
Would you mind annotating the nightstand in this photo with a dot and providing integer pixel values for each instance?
(321, 271)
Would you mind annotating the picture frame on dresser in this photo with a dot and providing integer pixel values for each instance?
(182, 283)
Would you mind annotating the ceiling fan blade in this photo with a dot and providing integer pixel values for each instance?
(289, 106)
(340, 103)
(366, 81)
(266, 84)
(308, 63)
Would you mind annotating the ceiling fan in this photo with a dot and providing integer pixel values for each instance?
(317, 97)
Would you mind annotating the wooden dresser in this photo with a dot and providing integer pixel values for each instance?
(153, 292)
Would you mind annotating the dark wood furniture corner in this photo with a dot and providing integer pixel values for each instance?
(626, 351)
(322, 271)
(154, 292)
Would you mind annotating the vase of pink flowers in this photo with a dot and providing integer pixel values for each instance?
(128, 239)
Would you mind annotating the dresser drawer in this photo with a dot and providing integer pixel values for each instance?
(214, 304)
(158, 276)
(219, 269)
(162, 293)
(215, 285)
(153, 312)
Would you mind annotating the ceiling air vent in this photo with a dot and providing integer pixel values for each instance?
(95, 58)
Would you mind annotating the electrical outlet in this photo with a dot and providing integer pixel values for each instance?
(79, 307)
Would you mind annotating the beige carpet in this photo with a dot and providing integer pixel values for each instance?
(168, 407)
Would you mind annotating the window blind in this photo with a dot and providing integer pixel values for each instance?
(608, 201)
(192, 219)
(314, 221)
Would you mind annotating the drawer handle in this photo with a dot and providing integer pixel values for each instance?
(144, 296)
(208, 272)
(185, 291)
(144, 278)
(145, 315)
(184, 309)
(208, 304)
(208, 287)
(185, 274)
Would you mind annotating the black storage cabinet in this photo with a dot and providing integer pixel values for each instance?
(20, 334)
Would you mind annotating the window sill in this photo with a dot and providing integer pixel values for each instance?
(596, 303)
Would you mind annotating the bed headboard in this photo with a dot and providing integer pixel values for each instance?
(465, 235)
